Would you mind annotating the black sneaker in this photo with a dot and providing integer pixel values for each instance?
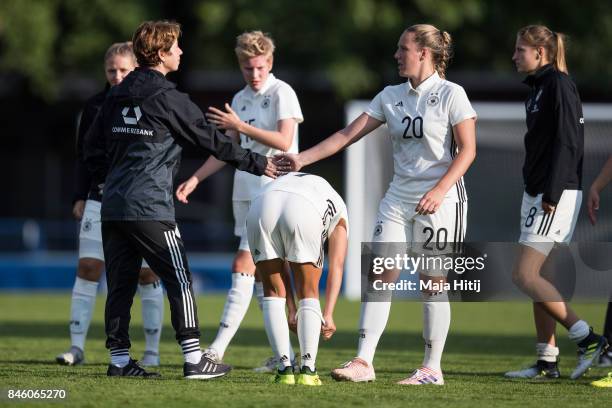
(132, 369)
(205, 369)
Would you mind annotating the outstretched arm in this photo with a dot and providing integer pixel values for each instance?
(190, 127)
(210, 167)
(281, 138)
(357, 129)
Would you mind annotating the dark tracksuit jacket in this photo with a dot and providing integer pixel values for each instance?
(554, 142)
(133, 149)
(84, 189)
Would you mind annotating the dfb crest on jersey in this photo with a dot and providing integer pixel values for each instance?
(433, 99)
(266, 102)
(87, 225)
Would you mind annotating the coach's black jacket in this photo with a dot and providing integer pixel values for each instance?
(84, 188)
(134, 146)
(554, 142)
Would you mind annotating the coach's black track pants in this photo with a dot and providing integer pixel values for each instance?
(159, 243)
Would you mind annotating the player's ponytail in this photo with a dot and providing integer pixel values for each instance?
(559, 60)
(552, 42)
(445, 53)
(439, 42)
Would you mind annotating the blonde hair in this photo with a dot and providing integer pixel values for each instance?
(439, 42)
(120, 48)
(553, 43)
(153, 36)
(253, 44)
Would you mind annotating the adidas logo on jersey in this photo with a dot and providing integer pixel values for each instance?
(243, 108)
(256, 252)
(400, 103)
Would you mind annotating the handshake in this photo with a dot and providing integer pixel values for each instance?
(282, 164)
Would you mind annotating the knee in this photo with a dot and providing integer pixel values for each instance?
(147, 276)
(243, 263)
(308, 292)
(522, 280)
(90, 269)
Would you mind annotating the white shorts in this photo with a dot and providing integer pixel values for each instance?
(540, 230)
(90, 233)
(439, 233)
(284, 225)
(241, 209)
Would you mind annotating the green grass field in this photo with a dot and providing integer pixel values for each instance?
(485, 340)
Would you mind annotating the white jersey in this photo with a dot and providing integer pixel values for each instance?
(420, 123)
(317, 191)
(275, 101)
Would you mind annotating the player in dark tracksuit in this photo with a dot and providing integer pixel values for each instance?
(554, 145)
(134, 149)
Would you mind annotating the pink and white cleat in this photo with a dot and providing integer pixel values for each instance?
(356, 370)
(424, 375)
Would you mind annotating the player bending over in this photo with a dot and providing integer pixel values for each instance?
(290, 220)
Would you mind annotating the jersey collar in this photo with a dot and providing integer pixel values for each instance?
(269, 82)
(537, 76)
(426, 85)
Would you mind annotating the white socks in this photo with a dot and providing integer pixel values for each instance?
(436, 322)
(373, 319)
(579, 331)
(259, 294)
(309, 320)
(81, 309)
(546, 352)
(191, 350)
(120, 357)
(277, 329)
(152, 297)
(236, 306)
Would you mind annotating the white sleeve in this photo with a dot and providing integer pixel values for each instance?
(341, 215)
(287, 104)
(460, 107)
(234, 104)
(375, 108)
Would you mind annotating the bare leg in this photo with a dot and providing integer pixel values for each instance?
(526, 276)
(545, 325)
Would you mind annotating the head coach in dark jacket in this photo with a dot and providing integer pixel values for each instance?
(133, 151)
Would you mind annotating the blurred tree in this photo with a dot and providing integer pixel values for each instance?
(44, 39)
(350, 42)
